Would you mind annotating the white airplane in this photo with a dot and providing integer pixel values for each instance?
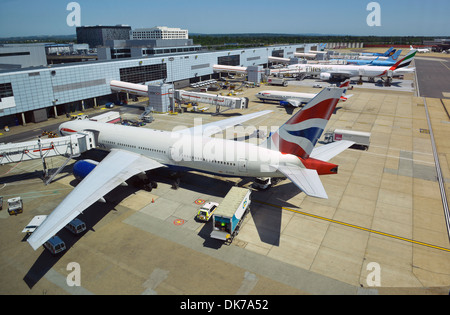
(379, 54)
(289, 152)
(392, 53)
(296, 99)
(327, 72)
(420, 50)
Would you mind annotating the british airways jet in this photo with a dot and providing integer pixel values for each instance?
(289, 152)
(296, 99)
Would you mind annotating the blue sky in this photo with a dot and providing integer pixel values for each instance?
(348, 17)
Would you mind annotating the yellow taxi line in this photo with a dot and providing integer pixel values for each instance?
(355, 226)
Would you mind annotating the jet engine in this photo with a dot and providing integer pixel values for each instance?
(325, 76)
(82, 168)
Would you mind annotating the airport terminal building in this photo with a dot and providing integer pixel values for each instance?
(34, 94)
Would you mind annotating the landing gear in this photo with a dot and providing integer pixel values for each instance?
(360, 81)
(388, 81)
(146, 183)
(176, 177)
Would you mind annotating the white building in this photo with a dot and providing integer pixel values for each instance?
(159, 32)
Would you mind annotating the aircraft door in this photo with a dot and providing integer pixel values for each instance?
(242, 166)
(174, 154)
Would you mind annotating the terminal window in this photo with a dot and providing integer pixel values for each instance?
(22, 53)
(6, 90)
(144, 74)
(234, 60)
(278, 53)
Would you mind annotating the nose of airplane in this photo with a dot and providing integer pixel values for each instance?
(65, 130)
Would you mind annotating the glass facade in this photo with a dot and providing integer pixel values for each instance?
(142, 74)
(67, 84)
(233, 60)
(6, 90)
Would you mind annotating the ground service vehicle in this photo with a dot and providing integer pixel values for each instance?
(230, 214)
(15, 206)
(277, 81)
(55, 245)
(361, 139)
(109, 117)
(206, 212)
(76, 226)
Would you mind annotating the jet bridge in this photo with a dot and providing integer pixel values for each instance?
(217, 100)
(69, 146)
(158, 94)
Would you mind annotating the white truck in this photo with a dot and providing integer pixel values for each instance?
(15, 206)
(361, 139)
(111, 117)
(229, 215)
(277, 81)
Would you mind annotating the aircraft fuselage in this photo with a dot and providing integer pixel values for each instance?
(212, 155)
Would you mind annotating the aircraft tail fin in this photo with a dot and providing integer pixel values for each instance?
(344, 85)
(386, 54)
(405, 61)
(299, 135)
(394, 57)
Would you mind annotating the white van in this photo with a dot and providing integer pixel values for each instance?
(76, 226)
(55, 245)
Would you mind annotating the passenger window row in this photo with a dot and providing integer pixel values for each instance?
(133, 146)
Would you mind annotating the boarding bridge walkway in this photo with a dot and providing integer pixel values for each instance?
(182, 95)
(217, 100)
(70, 146)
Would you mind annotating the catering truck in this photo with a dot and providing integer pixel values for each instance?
(230, 214)
(277, 81)
(361, 139)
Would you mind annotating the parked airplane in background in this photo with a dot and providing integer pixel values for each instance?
(289, 152)
(378, 57)
(386, 61)
(327, 72)
(385, 54)
(296, 99)
(421, 50)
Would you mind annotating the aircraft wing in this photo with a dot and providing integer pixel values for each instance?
(218, 126)
(116, 168)
(295, 103)
(305, 179)
(328, 151)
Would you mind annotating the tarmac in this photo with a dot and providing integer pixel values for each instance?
(382, 230)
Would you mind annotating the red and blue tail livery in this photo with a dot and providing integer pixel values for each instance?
(299, 135)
